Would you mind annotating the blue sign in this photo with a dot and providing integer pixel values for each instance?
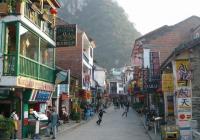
(42, 96)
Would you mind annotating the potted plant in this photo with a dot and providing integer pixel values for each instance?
(75, 115)
(44, 15)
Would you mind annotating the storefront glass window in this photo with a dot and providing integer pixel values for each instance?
(46, 53)
(29, 44)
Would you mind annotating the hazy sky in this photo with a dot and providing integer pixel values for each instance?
(148, 15)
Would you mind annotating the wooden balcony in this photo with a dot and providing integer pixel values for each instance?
(27, 68)
(34, 12)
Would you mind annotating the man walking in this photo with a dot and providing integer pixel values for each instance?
(126, 109)
(53, 123)
(100, 116)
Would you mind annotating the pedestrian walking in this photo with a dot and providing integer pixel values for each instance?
(100, 115)
(125, 110)
(122, 103)
(128, 105)
(53, 124)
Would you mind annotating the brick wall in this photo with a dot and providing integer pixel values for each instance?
(167, 38)
(71, 58)
(166, 44)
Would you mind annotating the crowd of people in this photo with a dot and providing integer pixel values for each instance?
(121, 103)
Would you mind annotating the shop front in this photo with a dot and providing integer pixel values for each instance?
(10, 99)
(34, 100)
(32, 95)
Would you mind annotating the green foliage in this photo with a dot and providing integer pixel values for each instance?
(6, 127)
(106, 22)
(83, 104)
(75, 115)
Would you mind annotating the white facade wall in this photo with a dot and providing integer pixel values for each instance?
(100, 77)
(120, 88)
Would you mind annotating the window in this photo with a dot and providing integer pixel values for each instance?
(197, 35)
(29, 44)
(11, 38)
(46, 53)
(91, 52)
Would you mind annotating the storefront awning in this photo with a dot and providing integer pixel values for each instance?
(62, 77)
(40, 96)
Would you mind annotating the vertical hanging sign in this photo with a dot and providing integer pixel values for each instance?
(184, 98)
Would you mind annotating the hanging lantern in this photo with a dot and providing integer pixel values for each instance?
(53, 11)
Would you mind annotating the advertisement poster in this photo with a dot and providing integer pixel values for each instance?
(183, 73)
(184, 103)
(167, 82)
(184, 115)
(170, 105)
(183, 124)
(186, 134)
(183, 92)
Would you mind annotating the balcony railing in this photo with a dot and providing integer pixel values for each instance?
(36, 16)
(46, 74)
(85, 57)
(32, 13)
(27, 68)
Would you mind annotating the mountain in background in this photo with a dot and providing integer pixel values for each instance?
(105, 22)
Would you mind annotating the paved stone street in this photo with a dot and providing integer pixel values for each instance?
(114, 127)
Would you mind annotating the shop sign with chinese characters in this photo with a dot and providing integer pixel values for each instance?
(183, 95)
(66, 35)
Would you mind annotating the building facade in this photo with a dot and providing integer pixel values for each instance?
(27, 57)
(151, 50)
(78, 59)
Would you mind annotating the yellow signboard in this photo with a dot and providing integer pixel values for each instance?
(167, 82)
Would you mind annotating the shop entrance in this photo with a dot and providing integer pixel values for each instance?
(5, 108)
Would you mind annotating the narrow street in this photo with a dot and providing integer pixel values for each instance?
(114, 127)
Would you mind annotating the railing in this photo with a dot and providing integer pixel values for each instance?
(27, 68)
(32, 15)
(85, 57)
(48, 30)
(46, 74)
(36, 16)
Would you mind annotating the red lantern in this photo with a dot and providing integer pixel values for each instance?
(53, 11)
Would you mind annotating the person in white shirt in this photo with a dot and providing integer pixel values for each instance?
(15, 118)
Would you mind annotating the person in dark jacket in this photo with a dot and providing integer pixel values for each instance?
(53, 123)
(101, 111)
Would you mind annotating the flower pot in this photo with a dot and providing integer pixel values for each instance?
(3, 8)
(34, 7)
(45, 17)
